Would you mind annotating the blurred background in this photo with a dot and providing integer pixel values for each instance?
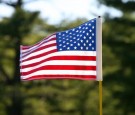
(28, 21)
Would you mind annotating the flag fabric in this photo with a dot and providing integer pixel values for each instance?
(69, 54)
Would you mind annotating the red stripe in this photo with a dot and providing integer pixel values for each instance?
(41, 48)
(44, 40)
(36, 47)
(40, 55)
(86, 58)
(78, 77)
(60, 67)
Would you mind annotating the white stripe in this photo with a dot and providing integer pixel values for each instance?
(37, 47)
(29, 51)
(60, 72)
(61, 62)
(61, 53)
(45, 39)
(39, 52)
(39, 43)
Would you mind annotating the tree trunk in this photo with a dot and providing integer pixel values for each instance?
(16, 107)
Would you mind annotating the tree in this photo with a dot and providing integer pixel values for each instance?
(118, 37)
(12, 31)
(67, 97)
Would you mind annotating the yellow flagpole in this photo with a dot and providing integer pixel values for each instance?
(99, 59)
(100, 98)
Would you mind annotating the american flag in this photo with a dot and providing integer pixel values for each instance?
(69, 54)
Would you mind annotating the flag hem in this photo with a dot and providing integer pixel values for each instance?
(99, 48)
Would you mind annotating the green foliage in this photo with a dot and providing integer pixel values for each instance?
(124, 5)
(119, 38)
(19, 24)
(68, 97)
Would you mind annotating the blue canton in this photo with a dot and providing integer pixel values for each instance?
(81, 38)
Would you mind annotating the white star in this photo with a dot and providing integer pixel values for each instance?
(81, 40)
(90, 44)
(90, 37)
(73, 29)
(92, 27)
(75, 47)
(68, 48)
(71, 44)
(81, 48)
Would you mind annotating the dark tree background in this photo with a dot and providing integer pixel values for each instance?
(119, 36)
(68, 97)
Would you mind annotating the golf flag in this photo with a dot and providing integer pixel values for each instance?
(71, 54)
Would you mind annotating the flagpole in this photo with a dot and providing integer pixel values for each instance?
(100, 98)
(99, 59)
